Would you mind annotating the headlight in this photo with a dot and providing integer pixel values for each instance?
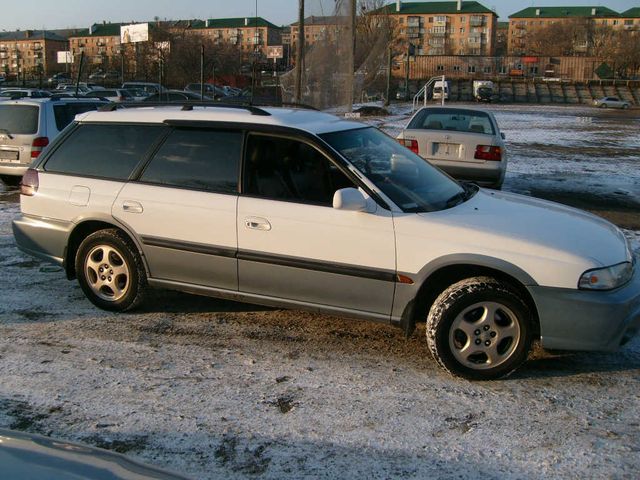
(606, 278)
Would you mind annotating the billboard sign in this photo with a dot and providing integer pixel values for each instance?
(65, 57)
(134, 33)
(275, 52)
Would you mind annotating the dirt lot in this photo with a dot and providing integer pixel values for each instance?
(218, 389)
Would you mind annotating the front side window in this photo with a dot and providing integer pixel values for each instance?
(285, 169)
(407, 179)
(104, 151)
(200, 159)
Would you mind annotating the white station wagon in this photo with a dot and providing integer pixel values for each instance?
(301, 209)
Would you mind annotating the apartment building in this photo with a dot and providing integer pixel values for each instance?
(31, 53)
(250, 34)
(525, 23)
(630, 20)
(444, 28)
(100, 44)
(318, 29)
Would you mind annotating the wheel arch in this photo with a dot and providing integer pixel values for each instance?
(82, 230)
(441, 274)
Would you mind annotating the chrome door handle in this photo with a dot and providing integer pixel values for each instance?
(132, 207)
(257, 223)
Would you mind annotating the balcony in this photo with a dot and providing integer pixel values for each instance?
(434, 32)
(477, 21)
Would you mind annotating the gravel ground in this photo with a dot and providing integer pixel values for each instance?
(217, 389)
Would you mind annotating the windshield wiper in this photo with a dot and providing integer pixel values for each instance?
(7, 133)
(469, 190)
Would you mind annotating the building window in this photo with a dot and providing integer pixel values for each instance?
(471, 69)
(461, 29)
(533, 70)
(486, 69)
(463, 19)
(615, 22)
(440, 68)
(503, 70)
(456, 68)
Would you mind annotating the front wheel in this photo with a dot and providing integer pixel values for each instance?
(110, 271)
(479, 329)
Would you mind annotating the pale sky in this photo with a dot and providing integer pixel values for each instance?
(38, 14)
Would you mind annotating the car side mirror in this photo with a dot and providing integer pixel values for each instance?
(504, 137)
(350, 199)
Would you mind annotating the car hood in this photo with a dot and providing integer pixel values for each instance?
(508, 222)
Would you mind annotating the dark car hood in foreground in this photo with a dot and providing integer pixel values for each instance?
(25, 456)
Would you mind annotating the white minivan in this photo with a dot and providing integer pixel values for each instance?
(301, 209)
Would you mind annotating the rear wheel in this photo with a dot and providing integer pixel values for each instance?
(479, 329)
(110, 271)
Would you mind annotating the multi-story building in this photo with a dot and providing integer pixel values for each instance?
(524, 24)
(630, 20)
(100, 44)
(251, 34)
(502, 38)
(318, 29)
(444, 28)
(31, 53)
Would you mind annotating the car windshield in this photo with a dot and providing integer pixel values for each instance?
(458, 120)
(408, 180)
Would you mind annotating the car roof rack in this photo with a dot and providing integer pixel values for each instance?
(186, 106)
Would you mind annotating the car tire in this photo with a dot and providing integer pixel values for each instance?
(604, 105)
(479, 329)
(625, 106)
(110, 271)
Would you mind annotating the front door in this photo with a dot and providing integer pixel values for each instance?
(292, 244)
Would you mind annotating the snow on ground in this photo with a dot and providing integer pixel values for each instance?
(216, 389)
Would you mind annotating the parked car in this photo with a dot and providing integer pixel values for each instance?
(211, 91)
(149, 87)
(29, 125)
(58, 78)
(3, 78)
(28, 456)
(15, 93)
(328, 215)
(138, 94)
(611, 102)
(176, 96)
(466, 143)
(112, 95)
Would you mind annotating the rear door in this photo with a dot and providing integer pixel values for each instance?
(183, 207)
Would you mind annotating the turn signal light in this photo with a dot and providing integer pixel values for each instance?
(30, 183)
(488, 152)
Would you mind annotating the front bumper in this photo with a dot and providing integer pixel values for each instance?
(588, 320)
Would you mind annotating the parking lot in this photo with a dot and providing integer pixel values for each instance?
(216, 389)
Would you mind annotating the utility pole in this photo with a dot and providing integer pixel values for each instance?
(299, 53)
(389, 67)
(352, 55)
(202, 72)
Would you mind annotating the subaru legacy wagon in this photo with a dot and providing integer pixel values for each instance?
(301, 209)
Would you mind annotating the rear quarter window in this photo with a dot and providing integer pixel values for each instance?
(104, 151)
(19, 119)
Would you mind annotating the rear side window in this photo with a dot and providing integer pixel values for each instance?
(65, 113)
(199, 159)
(104, 151)
(19, 119)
